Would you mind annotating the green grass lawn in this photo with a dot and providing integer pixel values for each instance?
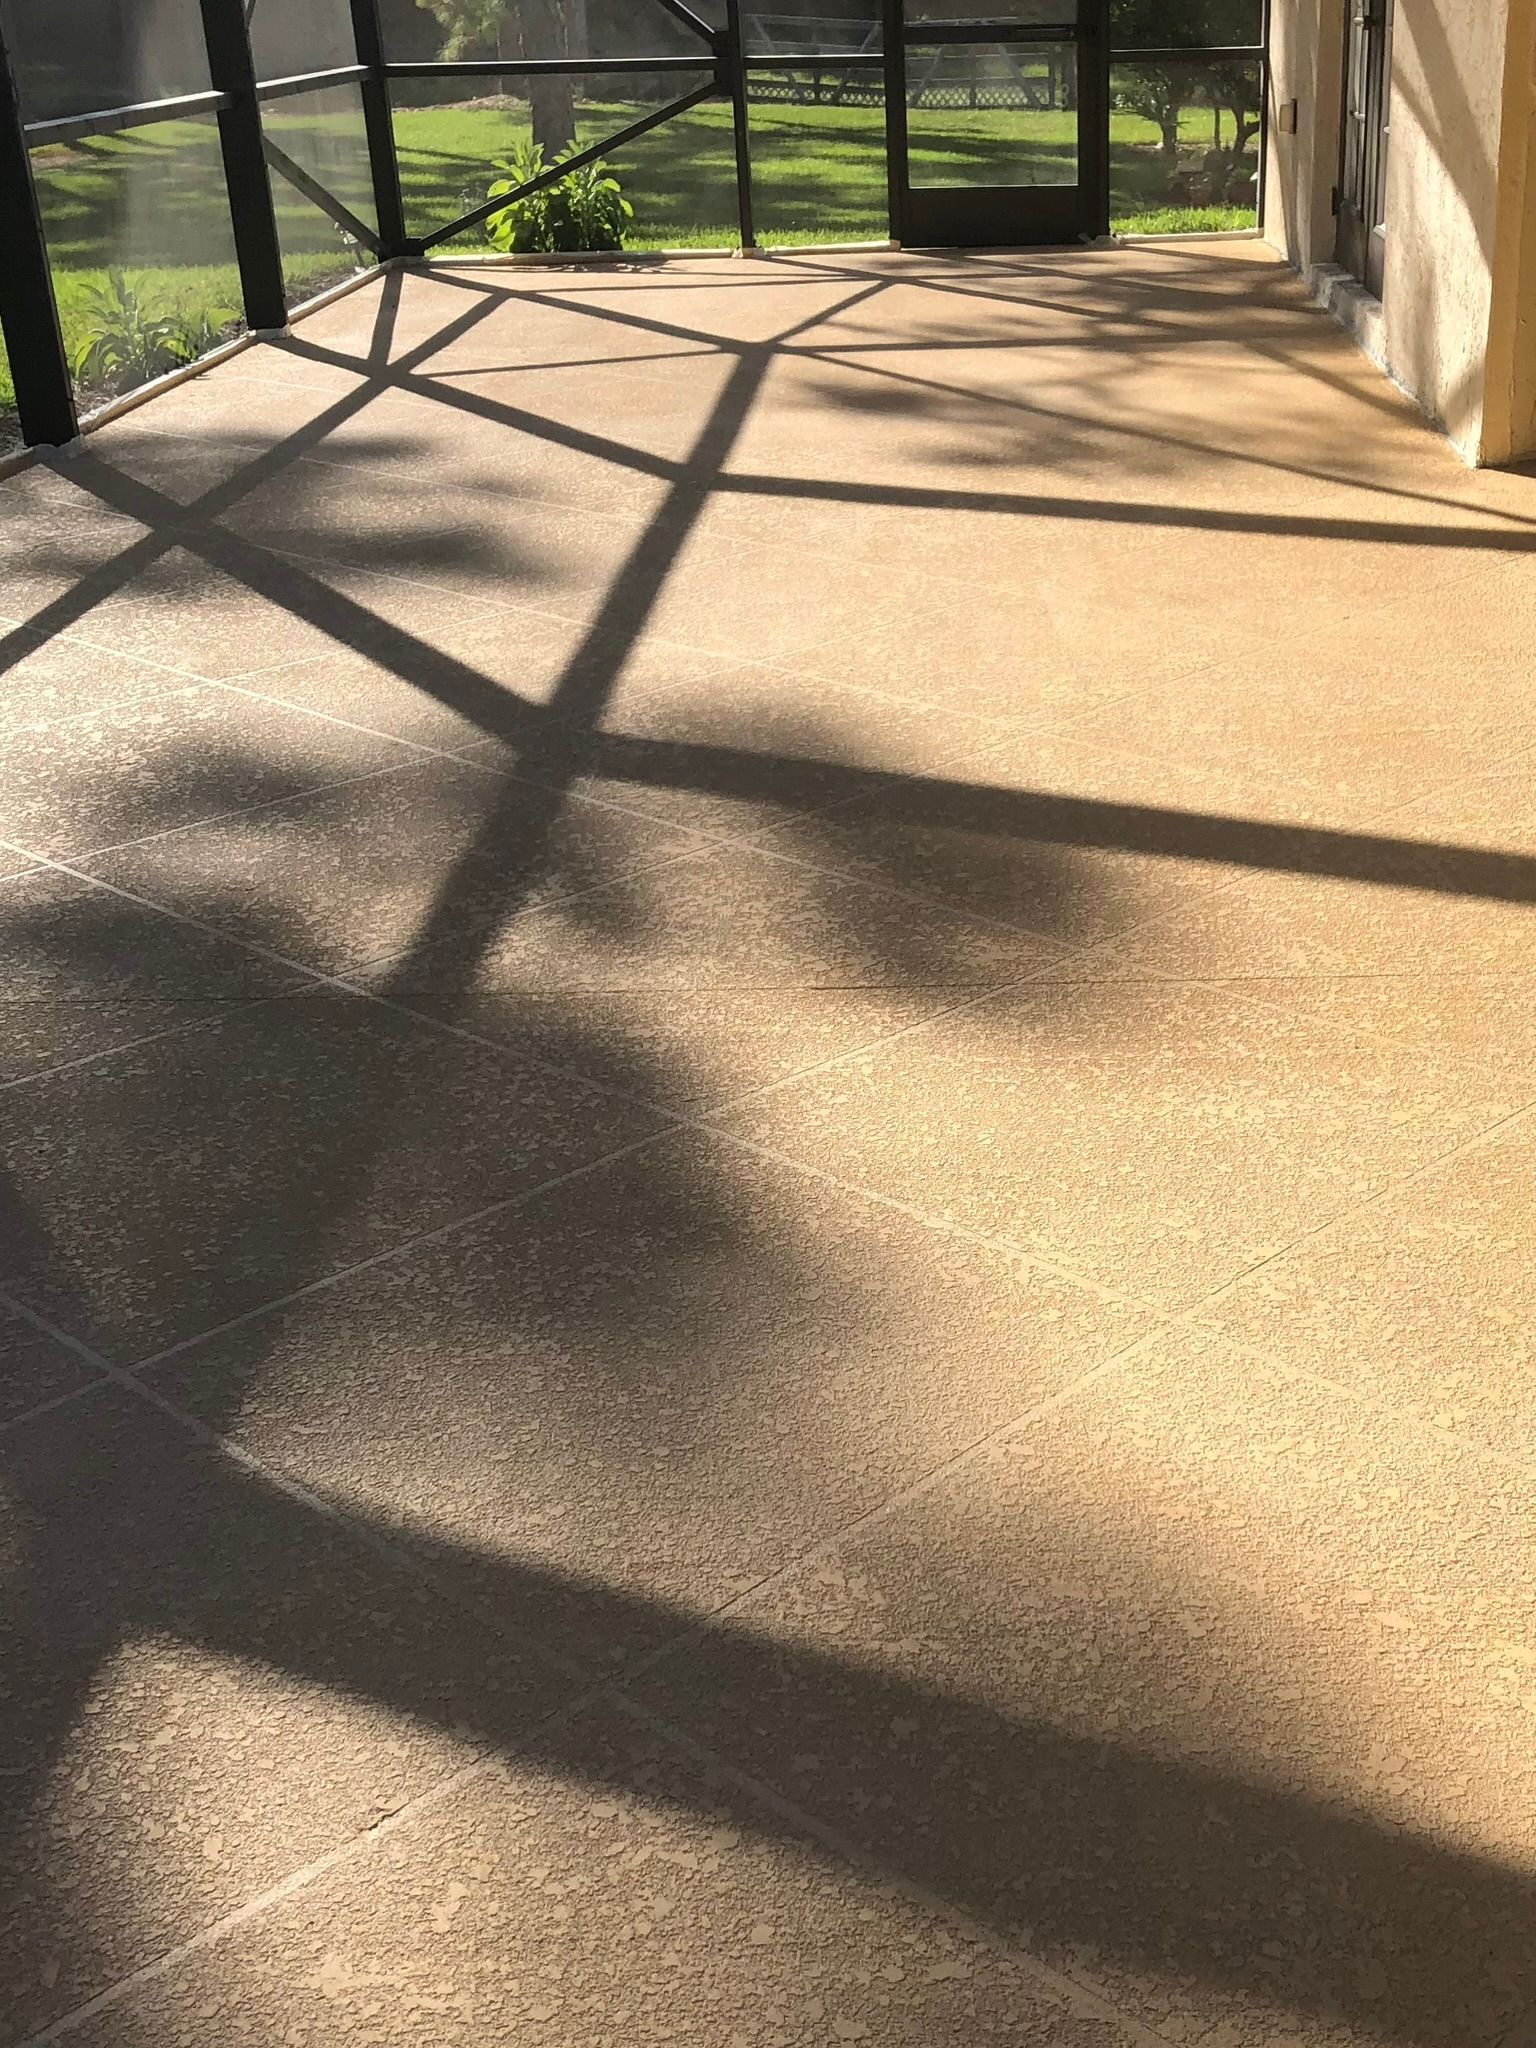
(152, 199)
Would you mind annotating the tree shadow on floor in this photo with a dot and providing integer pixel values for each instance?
(548, 1283)
(246, 1145)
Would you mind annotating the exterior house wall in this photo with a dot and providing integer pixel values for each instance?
(1458, 303)
(1509, 397)
(1306, 46)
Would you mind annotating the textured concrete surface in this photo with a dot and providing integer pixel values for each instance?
(767, 1123)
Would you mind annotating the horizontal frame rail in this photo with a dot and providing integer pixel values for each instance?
(867, 60)
(183, 106)
(844, 60)
(804, 60)
(1191, 53)
(556, 172)
(310, 81)
(546, 67)
(924, 34)
(144, 113)
(108, 120)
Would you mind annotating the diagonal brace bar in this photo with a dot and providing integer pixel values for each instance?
(571, 163)
(314, 191)
(685, 14)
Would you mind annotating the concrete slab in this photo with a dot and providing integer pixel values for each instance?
(767, 1122)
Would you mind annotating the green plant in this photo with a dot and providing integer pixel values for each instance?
(583, 210)
(525, 226)
(595, 207)
(131, 337)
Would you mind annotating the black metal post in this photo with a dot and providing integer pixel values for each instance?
(1261, 192)
(733, 59)
(896, 118)
(257, 250)
(1093, 62)
(379, 122)
(29, 313)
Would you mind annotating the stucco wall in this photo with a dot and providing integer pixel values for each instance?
(1442, 204)
(1456, 193)
(1306, 51)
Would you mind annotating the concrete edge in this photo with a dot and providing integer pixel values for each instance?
(1347, 302)
(18, 460)
(1112, 240)
(142, 394)
(1359, 312)
(627, 259)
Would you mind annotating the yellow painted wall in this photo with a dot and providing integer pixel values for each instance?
(1509, 385)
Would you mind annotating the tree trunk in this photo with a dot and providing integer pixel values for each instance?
(551, 101)
(552, 104)
(1170, 127)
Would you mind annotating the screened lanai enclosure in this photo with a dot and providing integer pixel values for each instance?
(186, 170)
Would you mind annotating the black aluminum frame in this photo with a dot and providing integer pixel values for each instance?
(1359, 197)
(28, 307)
(992, 215)
(29, 313)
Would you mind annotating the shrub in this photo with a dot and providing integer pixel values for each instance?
(584, 210)
(131, 337)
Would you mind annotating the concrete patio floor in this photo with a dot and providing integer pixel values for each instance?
(768, 1133)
